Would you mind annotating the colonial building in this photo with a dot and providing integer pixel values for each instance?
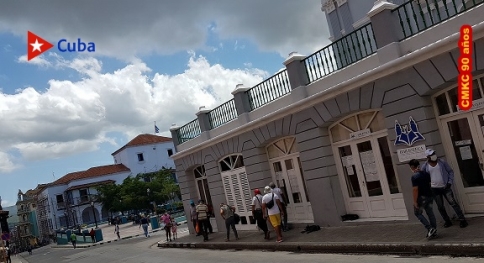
(27, 228)
(337, 137)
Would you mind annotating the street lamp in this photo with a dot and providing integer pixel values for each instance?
(95, 219)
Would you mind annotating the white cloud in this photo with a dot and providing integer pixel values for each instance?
(131, 28)
(6, 163)
(72, 117)
(39, 61)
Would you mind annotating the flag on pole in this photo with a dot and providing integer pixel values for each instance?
(157, 130)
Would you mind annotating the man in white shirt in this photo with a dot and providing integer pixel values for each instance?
(272, 209)
(280, 194)
(441, 180)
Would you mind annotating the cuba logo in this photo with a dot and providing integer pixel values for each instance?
(37, 45)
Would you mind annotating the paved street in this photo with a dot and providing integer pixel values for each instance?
(144, 250)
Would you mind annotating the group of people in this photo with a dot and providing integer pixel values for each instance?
(270, 207)
(431, 181)
(170, 226)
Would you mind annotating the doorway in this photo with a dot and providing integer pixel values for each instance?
(465, 142)
(463, 139)
(287, 174)
(365, 167)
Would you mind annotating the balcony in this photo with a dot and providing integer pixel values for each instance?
(347, 58)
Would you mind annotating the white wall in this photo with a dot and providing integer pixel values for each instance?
(155, 157)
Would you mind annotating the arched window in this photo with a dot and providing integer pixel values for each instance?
(202, 186)
(231, 162)
(372, 121)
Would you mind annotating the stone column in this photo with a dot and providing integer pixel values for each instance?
(297, 74)
(386, 30)
(296, 70)
(174, 135)
(241, 99)
(203, 119)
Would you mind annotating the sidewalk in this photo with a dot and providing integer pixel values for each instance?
(126, 231)
(392, 238)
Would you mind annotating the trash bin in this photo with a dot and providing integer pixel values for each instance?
(98, 233)
(124, 220)
(154, 223)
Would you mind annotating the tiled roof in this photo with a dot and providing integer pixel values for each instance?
(90, 185)
(143, 139)
(92, 172)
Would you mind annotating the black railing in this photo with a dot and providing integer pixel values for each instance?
(222, 114)
(189, 131)
(341, 53)
(269, 90)
(417, 16)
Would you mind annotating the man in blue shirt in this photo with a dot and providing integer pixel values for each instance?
(442, 178)
(422, 198)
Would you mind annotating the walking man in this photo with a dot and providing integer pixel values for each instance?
(442, 178)
(202, 217)
(272, 209)
(227, 213)
(116, 231)
(278, 192)
(73, 241)
(422, 198)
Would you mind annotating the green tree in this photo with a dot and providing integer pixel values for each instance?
(132, 193)
(108, 195)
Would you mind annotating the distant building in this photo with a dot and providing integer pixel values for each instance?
(27, 229)
(69, 201)
(146, 153)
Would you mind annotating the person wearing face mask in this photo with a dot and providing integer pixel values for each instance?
(441, 180)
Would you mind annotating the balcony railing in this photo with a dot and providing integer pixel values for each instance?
(341, 53)
(418, 15)
(189, 131)
(222, 114)
(269, 90)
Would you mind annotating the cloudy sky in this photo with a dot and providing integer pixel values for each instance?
(155, 61)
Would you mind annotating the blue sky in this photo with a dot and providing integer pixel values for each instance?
(65, 112)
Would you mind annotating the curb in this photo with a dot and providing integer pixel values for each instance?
(449, 249)
(102, 242)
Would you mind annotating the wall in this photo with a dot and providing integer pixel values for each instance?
(154, 160)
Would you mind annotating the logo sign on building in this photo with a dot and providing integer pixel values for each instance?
(407, 154)
(407, 134)
(360, 134)
(37, 45)
(465, 68)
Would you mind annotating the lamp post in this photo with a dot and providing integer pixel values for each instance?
(95, 219)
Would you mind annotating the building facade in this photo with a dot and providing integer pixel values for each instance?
(337, 140)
